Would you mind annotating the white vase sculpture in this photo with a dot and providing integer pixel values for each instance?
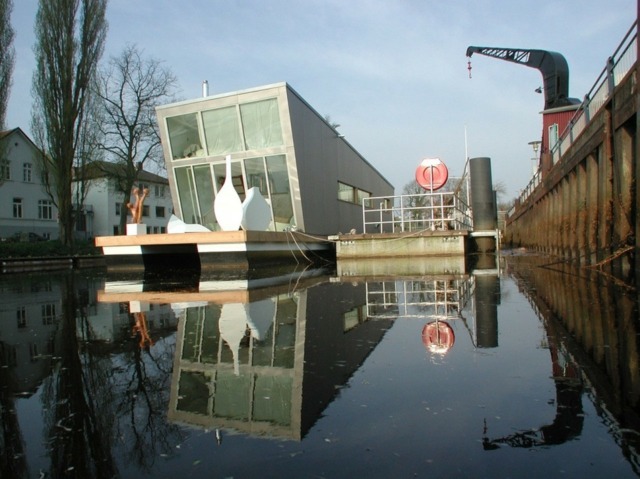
(227, 204)
(256, 212)
(232, 326)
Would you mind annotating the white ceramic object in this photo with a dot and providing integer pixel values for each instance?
(232, 326)
(227, 205)
(256, 212)
(176, 225)
(260, 316)
(136, 229)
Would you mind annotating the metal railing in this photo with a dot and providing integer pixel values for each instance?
(618, 65)
(438, 299)
(429, 211)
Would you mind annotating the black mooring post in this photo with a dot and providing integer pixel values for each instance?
(487, 297)
(483, 203)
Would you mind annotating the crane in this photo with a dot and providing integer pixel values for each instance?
(552, 65)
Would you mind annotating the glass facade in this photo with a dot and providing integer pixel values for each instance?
(247, 127)
(184, 136)
(222, 130)
(225, 130)
(198, 184)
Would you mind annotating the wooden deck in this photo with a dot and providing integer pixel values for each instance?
(198, 249)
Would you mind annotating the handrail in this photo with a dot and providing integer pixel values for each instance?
(416, 212)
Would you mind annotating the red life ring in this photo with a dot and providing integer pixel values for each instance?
(438, 337)
(432, 174)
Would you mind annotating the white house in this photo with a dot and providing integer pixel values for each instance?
(102, 205)
(25, 206)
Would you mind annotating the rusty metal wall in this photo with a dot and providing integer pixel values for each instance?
(586, 207)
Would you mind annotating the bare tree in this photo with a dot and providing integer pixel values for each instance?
(130, 88)
(7, 56)
(70, 36)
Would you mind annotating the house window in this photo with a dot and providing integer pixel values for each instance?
(159, 191)
(17, 207)
(21, 315)
(345, 192)
(145, 210)
(26, 172)
(159, 211)
(118, 207)
(48, 313)
(81, 222)
(184, 136)
(5, 170)
(33, 352)
(261, 124)
(222, 130)
(553, 136)
(45, 209)
(362, 195)
(351, 194)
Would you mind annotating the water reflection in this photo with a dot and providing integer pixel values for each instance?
(113, 376)
(242, 362)
(90, 397)
(592, 333)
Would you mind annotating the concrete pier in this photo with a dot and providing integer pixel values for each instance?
(404, 244)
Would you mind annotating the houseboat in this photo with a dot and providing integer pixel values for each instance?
(266, 143)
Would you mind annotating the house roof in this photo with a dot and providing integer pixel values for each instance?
(104, 169)
(7, 133)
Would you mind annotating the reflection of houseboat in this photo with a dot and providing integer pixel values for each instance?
(313, 181)
(259, 356)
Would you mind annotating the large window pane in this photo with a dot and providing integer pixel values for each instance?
(193, 387)
(219, 171)
(233, 396)
(261, 124)
(272, 399)
(362, 195)
(184, 136)
(205, 195)
(254, 168)
(186, 194)
(222, 130)
(345, 192)
(280, 191)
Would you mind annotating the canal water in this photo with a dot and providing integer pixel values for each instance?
(524, 368)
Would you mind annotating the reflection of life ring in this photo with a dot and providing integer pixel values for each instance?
(438, 337)
(432, 174)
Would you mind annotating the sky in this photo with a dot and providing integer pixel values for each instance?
(392, 73)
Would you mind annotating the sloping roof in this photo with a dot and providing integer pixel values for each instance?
(7, 133)
(104, 169)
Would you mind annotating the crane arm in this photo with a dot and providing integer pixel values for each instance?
(552, 66)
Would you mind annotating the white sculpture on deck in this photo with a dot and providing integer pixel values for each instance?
(176, 225)
(256, 212)
(227, 205)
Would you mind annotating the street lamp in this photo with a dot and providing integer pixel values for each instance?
(536, 146)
